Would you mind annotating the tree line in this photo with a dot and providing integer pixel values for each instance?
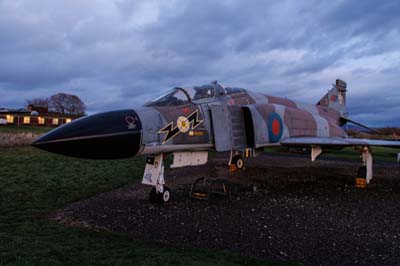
(63, 103)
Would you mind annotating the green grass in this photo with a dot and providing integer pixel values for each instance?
(33, 184)
(379, 153)
(23, 129)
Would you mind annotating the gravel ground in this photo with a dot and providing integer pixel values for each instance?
(281, 208)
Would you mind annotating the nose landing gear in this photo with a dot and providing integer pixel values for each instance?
(154, 176)
(160, 197)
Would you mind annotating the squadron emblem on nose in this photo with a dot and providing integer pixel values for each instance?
(183, 125)
(131, 122)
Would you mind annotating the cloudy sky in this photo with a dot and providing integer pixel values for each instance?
(118, 54)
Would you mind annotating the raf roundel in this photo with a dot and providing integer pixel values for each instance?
(275, 127)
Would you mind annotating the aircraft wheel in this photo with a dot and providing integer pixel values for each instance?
(238, 162)
(165, 196)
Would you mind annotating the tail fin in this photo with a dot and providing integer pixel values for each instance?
(336, 98)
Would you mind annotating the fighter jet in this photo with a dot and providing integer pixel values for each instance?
(189, 122)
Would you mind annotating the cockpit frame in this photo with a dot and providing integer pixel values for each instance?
(197, 94)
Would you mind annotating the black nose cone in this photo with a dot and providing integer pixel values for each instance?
(109, 135)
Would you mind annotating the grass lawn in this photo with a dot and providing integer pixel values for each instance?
(35, 183)
(379, 153)
(22, 129)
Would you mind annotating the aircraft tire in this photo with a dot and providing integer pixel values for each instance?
(165, 196)
(238, 162)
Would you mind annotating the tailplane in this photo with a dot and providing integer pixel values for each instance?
(336, 98)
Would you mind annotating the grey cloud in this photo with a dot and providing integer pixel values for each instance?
(118, 54)
(365, 16)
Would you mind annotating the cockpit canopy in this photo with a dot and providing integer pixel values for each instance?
(180, 96)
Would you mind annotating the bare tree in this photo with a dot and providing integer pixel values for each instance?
(38, 102)
(67, 104)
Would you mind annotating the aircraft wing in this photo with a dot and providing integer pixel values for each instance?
(338, 142)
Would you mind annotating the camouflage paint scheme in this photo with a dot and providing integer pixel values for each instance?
(273, 119)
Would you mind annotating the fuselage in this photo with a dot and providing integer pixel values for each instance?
(208, 117)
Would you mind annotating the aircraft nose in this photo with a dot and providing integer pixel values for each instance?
(109, 135)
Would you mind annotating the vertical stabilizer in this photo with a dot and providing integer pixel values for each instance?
(336, 97)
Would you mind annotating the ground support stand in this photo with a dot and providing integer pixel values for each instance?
(205, 188)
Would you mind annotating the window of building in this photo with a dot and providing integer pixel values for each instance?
(67, 120)
(27, 119)
(41, 120)
(10, 119)
(55, 121)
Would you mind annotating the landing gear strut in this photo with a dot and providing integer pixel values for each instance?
(154, 176)
(365, 172)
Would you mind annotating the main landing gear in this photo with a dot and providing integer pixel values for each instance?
(365, 173)
(236, 161)
(154, 176)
